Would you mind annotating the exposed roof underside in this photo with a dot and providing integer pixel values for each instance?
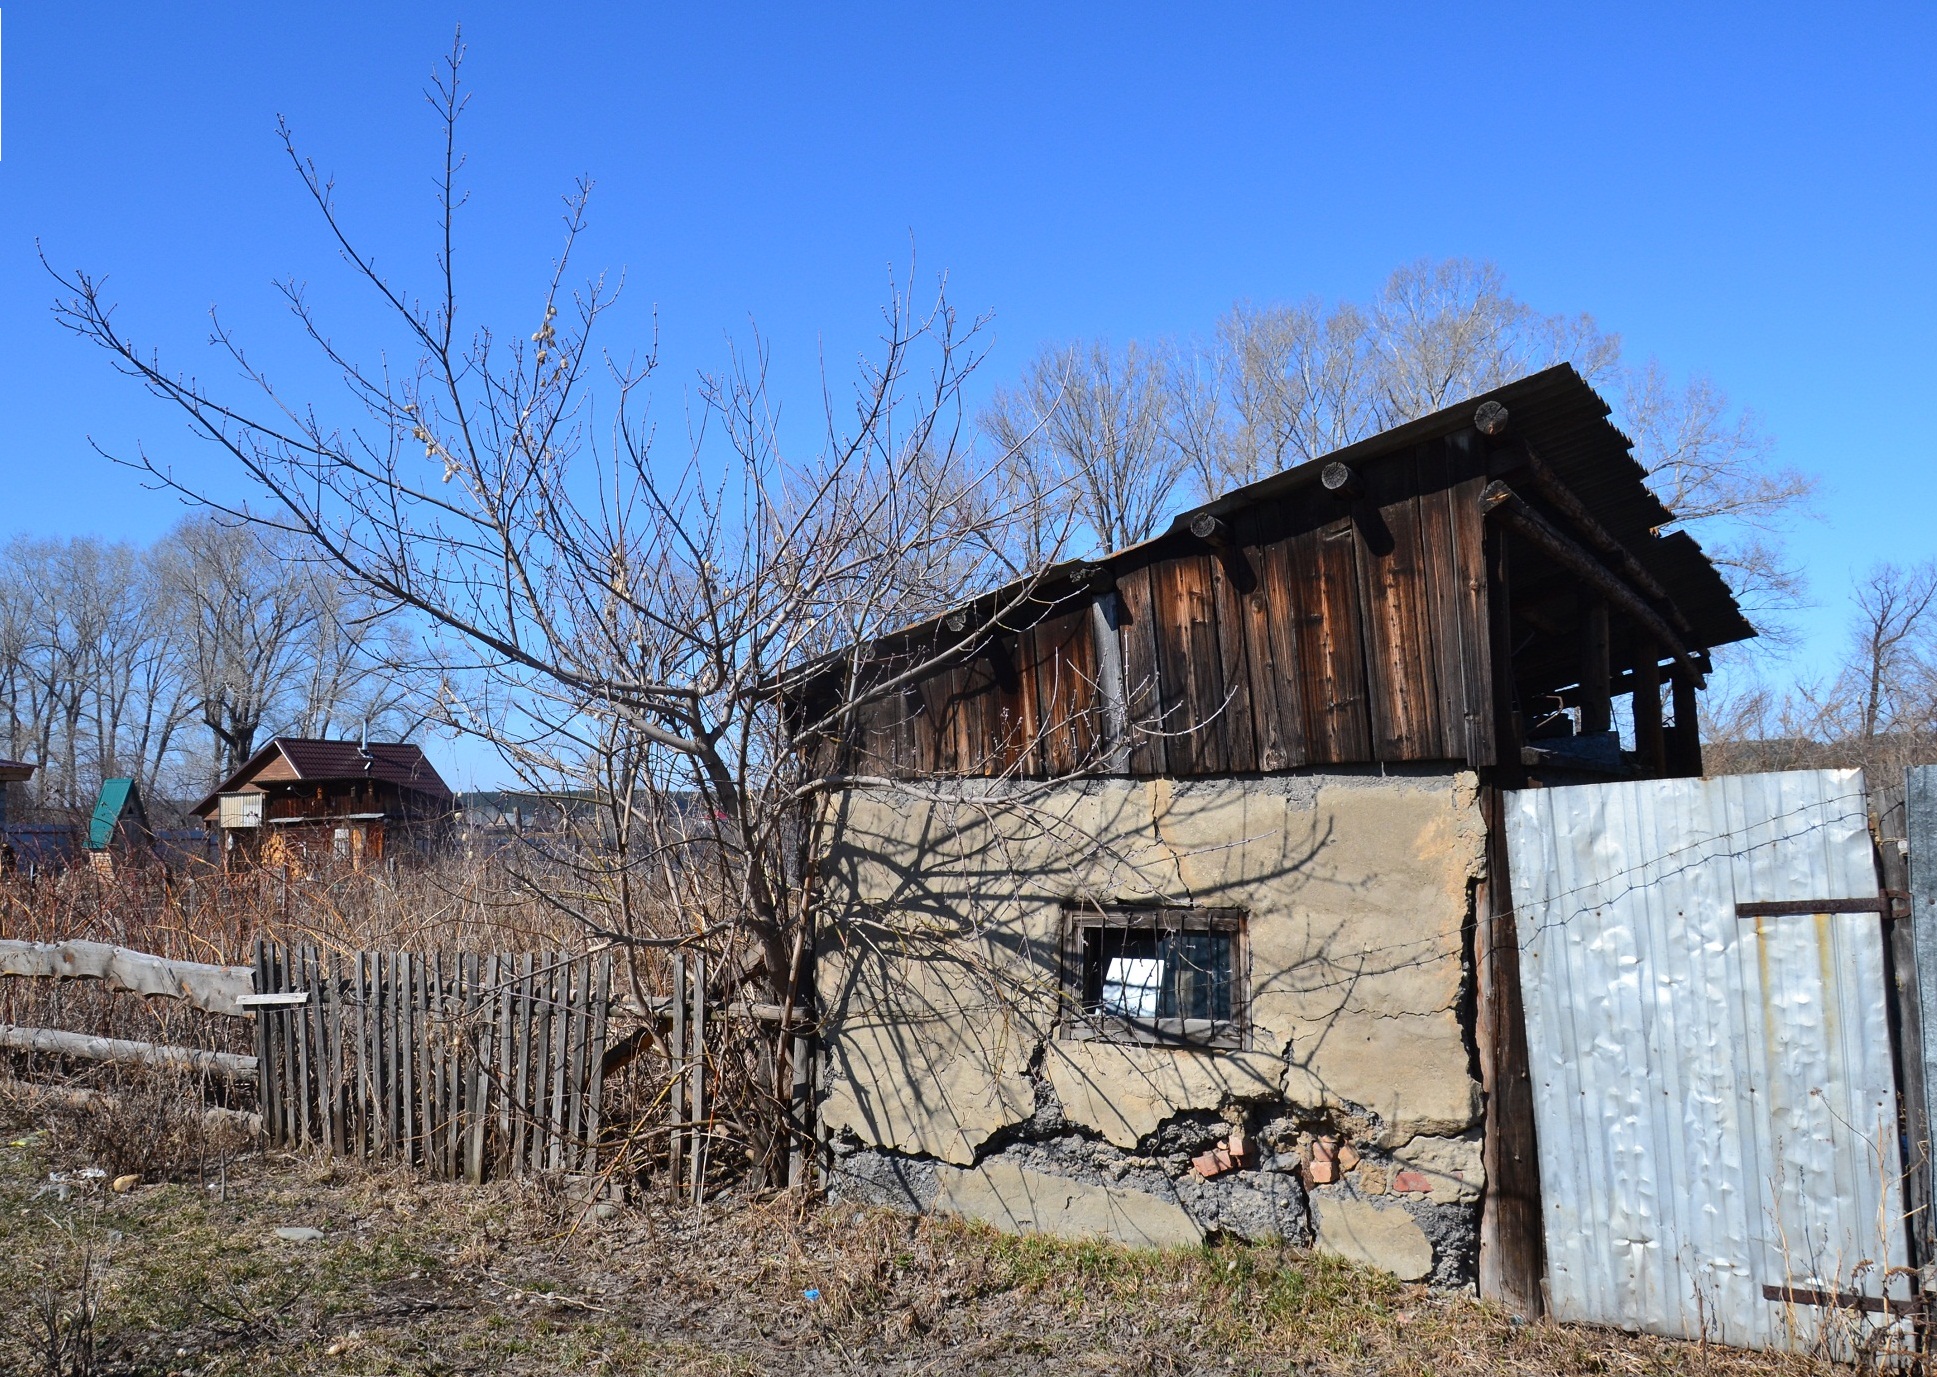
(13, 771)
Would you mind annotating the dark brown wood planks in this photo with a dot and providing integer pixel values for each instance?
(1450, 476)
(1324, 564)
(1149, 739)
(1064, 664)
(1190, 672)
(1402, 681)
(1272, 623)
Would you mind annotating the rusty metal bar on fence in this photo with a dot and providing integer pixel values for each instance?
(1891, 904)
(1840, 1300)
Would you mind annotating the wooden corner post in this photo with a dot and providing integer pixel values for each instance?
(1512, 1257)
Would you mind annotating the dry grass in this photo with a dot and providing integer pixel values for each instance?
(416, 1277)
(144, 1122)
(203, 914)
(457, 904)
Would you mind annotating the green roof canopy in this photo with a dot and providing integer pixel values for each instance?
(119, 797)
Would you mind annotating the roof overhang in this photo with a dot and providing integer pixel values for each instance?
(1554, 413)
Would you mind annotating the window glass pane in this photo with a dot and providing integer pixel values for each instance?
(1128, 972)
(1131, 985)
(1200, 975)
(1159, 973)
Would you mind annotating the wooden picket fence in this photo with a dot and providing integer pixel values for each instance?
(469, 1066)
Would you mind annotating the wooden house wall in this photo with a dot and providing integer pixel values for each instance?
(1323, 633)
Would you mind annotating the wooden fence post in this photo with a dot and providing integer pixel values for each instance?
(477, 1042)
(799, 1111)
(676, 1091)
(702, 1137)
(595, 1088)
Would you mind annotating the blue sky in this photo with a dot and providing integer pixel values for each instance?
(1745, 191)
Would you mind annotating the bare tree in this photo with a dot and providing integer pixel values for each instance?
(1282, 384)
(1714, 468)
(1087, 431)
(1877, 708)
(622, 621)
(274, 641)
(90, 667)
(1887, 683)
(1276, 386)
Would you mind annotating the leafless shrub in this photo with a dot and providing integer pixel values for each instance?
(625, 616)
(144, 1121)
(65, 1304)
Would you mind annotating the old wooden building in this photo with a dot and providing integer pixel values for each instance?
(1195, 848)
(303, 803)
(1477, 586)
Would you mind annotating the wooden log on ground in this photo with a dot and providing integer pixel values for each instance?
(62, 1043)
(214, 1116)
(213, 989)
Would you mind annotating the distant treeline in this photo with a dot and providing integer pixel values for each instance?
(170, 663)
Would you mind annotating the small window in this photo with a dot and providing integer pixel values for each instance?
(1170, 975)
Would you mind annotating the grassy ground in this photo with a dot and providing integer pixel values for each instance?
(418, 1277)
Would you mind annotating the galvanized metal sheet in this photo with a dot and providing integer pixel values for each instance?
(1713, 1095)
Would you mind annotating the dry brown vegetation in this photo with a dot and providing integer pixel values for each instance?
(419, 1277)
(211, 917)
(480, 905)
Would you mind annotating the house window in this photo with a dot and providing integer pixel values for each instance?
(1165, 975)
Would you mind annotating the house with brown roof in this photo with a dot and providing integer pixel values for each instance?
(304, 803)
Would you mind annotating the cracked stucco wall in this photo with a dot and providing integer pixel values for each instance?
(938, 962)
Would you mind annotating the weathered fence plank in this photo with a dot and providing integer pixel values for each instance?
(469, 1065)
(697, 1059)
(676, 1137)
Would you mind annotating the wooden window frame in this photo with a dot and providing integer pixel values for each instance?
(1079, 1023)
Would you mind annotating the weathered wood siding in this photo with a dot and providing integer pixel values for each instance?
(1323, 633)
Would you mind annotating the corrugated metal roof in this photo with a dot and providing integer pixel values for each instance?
(399, 762)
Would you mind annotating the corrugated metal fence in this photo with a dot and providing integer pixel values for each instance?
(1704, 978)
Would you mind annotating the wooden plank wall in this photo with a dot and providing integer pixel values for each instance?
(1324, 633)
(470, 1066)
